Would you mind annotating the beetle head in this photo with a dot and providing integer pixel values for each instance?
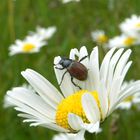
(65, 62)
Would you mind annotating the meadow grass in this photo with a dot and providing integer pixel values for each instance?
(74, 22)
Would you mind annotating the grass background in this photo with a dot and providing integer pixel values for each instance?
(74, 22)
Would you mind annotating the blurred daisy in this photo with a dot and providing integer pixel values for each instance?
(31, 44)
(129, 101)
(44, 33)
(99, 36)
(122, 41)
(131, 26)
(66, 1)
(73, 110)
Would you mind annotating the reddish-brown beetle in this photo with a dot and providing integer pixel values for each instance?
(74, 68)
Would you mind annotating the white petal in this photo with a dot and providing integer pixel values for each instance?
(102, 91)
(96, 83)
(24, 115)
(92, 127)
(70, 136)
(44, 88)
(30, 120)
(80, 135)
(83, 52)
(54, 127)
(90, 108)
(31, 99)
(94, 68)
(105, 65)
(121, 64)
(103, 99)
(74, 52)
(50, 126)
(26, 109)
(117, 85)
(125, 105)
(75, 121)
(131, 89)
(117, 80)
(112, 66)
(114, 91)
(61, 136)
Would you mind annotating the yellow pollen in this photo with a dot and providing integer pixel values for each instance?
(28, 47)
(138, 25)
(102, 39)
(72, 104)
(129, 41)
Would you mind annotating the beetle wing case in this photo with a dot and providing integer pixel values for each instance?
(78, 71)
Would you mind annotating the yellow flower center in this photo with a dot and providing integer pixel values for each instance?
(138, 25)
(129, 41)
(102, 39)
(28, 47)
(128, 99)
(72, 104)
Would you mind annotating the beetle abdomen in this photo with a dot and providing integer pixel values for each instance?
(78, 71)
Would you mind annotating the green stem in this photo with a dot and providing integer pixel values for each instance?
(96, 137)
(11, 19)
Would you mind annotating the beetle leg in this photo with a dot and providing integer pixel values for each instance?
(59, 68)
(62, 78)
(83, 58)
(75, 84)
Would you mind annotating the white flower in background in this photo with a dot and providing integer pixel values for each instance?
(44, 33)
(122, 41)
(74, 110)
(99, 36)
(66, 1)
(131, 26)
(129, 101)
(31, 44)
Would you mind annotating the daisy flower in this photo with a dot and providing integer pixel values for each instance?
(122, 41)
(31, 44)
(66, 1)
(73, 110)
(129, 101)
(44, 33)
(131, 26)
(99, 36)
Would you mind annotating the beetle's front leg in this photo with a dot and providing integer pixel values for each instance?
(83, 58)
(59, 68)
(62, 78)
